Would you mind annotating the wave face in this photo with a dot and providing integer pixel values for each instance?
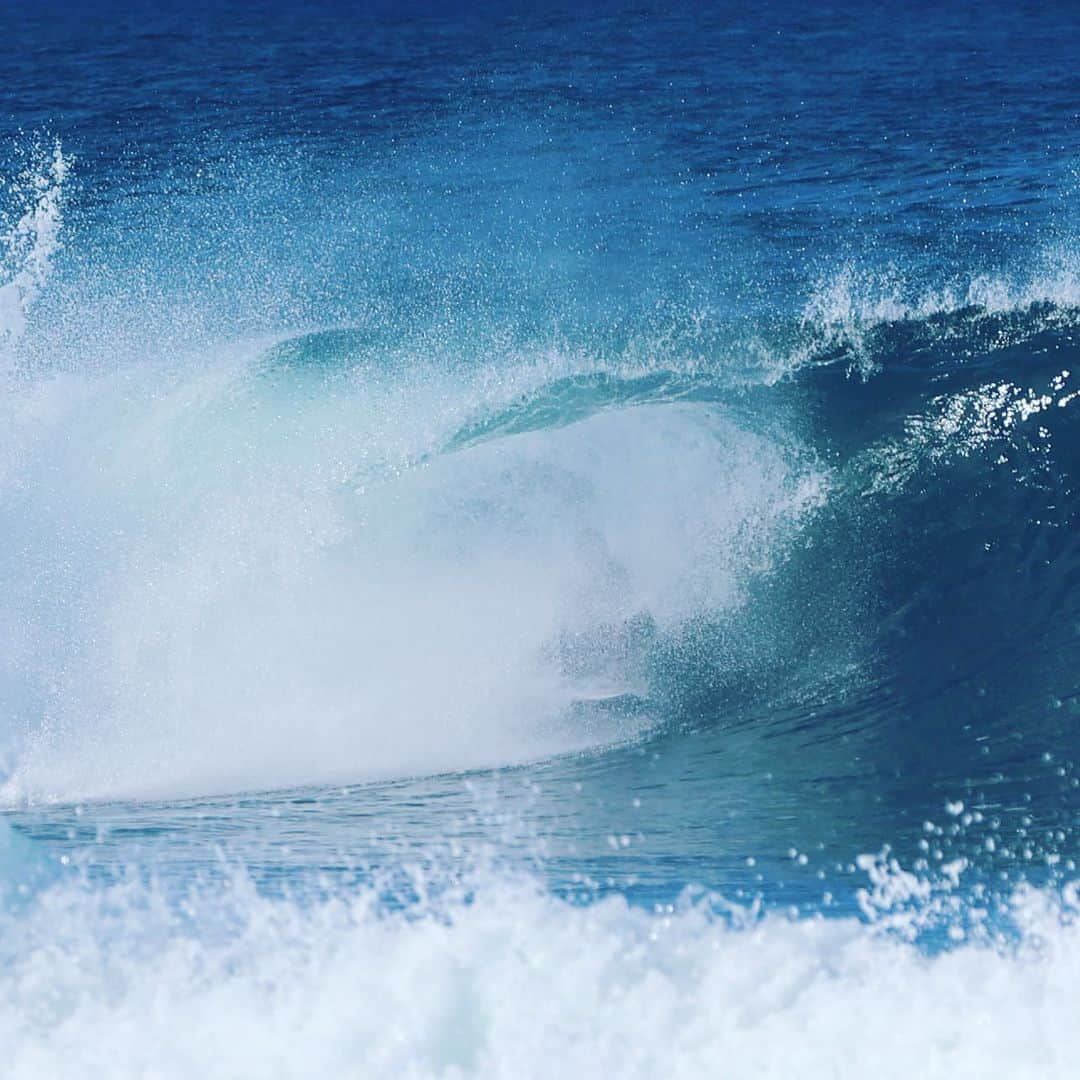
(567, 507)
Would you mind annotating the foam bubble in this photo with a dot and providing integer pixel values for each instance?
(507, 980)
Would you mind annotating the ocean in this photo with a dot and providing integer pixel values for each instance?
(539, 540)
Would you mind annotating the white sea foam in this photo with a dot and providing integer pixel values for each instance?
(514, 982)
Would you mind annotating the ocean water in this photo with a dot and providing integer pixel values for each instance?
(539, 541)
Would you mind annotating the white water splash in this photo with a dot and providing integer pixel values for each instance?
(262, 596)
(515, 982)
(844, 309)
(960, 425)
(29, 242)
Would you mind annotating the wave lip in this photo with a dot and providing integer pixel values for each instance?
(857, 314)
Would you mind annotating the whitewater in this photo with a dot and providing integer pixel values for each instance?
(538, 543)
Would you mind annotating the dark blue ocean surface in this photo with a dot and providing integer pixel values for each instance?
(539, 541)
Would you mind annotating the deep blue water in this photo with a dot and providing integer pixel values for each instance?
(571, 505)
